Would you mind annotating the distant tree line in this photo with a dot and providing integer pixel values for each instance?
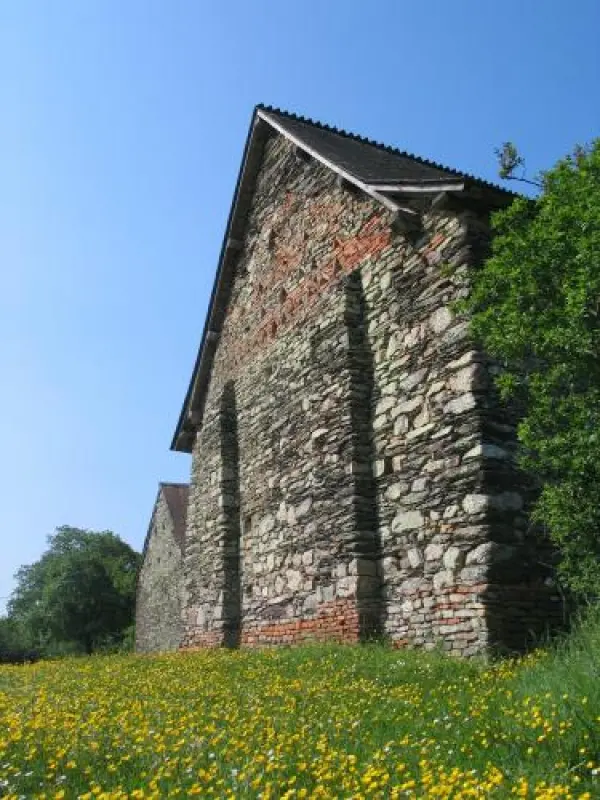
(78, 598)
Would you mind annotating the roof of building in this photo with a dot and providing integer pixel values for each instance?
(391, 176)
(370, 161)
(176, 497)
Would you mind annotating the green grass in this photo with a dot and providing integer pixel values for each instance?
(316, 721)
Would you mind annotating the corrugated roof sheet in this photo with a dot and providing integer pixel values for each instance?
(369, 161)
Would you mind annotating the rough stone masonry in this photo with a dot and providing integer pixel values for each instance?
(158, 600)
(353, 471)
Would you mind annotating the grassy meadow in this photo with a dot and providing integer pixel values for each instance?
(310, 722)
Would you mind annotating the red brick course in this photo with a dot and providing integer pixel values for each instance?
(336, 621)
(276, 308)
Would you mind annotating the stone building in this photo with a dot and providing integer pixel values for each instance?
(352, 469)
(158, 603)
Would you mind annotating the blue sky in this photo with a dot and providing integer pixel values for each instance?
(121, 130)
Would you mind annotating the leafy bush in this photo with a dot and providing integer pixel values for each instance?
(535, 306)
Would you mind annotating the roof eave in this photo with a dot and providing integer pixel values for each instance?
(348, 176)
(183, 439)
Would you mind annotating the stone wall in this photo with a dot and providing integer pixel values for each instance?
(460, 566)
(353, 474)
(279, 425)
(158, 603)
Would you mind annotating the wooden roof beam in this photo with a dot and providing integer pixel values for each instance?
(406, 220)
(301, 154)
(418, 188)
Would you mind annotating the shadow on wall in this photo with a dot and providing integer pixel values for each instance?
(523, 605)
(230, 492)
(367, 545)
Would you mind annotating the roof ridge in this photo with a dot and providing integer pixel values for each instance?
(177, 485)
(381, 146)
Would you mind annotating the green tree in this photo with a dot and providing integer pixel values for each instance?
(535, 306)
(81, 592)
(9, 635)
